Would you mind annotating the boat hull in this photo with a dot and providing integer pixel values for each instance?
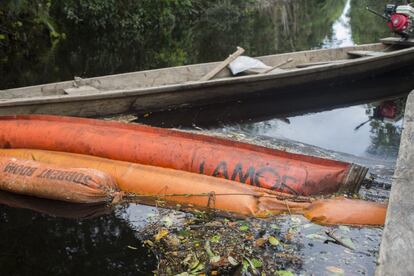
(115, 97)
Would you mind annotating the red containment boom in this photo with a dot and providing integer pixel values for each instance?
(254, 165)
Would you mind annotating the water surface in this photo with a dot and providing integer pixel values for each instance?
(105, 39)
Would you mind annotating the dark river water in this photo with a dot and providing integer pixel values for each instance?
(90, 40)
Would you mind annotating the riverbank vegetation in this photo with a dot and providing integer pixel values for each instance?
(51, 40)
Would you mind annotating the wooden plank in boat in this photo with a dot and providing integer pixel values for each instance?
(310, 64)
(223, 64)
(365, 53)
(397, 41)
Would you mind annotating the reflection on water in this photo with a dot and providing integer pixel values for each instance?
(174, 33)
(334, 130)
(37, 244)
(330, 129)
(342, 33)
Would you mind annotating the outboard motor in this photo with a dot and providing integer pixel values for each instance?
(400, 19)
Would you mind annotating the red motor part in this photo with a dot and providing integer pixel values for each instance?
(388, 110)
(398, 23)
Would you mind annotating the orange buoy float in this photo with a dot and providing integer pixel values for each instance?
(348, 211)
(250, 164)
(37, 179)
(209, 192)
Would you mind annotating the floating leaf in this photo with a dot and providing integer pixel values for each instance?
(249, 263)
(167, 220)
(187, 259)
(260, 242)
(273, 241)
(336, 270)
(210, 253)
(315, 237)
(183, 274)
(245, 265)
(162, 233)
(149, 243)
(232, 261)
(132, 247)
(257, 263)
(2, 37)
(274, 226)
(284, 273)
(215, 238)
(215, 259)
(197, 268)
(194, 264)
(173, 240)
(344, 228)
(244, 227)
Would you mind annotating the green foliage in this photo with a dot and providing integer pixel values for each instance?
(262, 29)
(115, 36)
(367, 27)
(27, 37)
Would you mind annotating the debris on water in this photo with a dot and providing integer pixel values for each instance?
(316, 237)
(335, 270)
(125, 118)
(232, 261)
(273, 241)
(344, 241)
(344, 228)
(161, 234)
(244, 227)
(210, 245)
(195, 245)
(284, 273)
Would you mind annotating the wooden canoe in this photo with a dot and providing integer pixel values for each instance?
(160, 89)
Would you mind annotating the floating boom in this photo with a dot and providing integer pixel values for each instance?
(250, 164)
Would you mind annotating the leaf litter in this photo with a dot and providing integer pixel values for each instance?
(203, 243)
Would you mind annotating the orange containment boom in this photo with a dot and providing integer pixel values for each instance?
(37, 179)
(209, 192)
(255, 165)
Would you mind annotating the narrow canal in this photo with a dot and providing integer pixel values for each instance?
(40, 237)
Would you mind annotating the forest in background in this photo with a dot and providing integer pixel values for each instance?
(51, 40)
